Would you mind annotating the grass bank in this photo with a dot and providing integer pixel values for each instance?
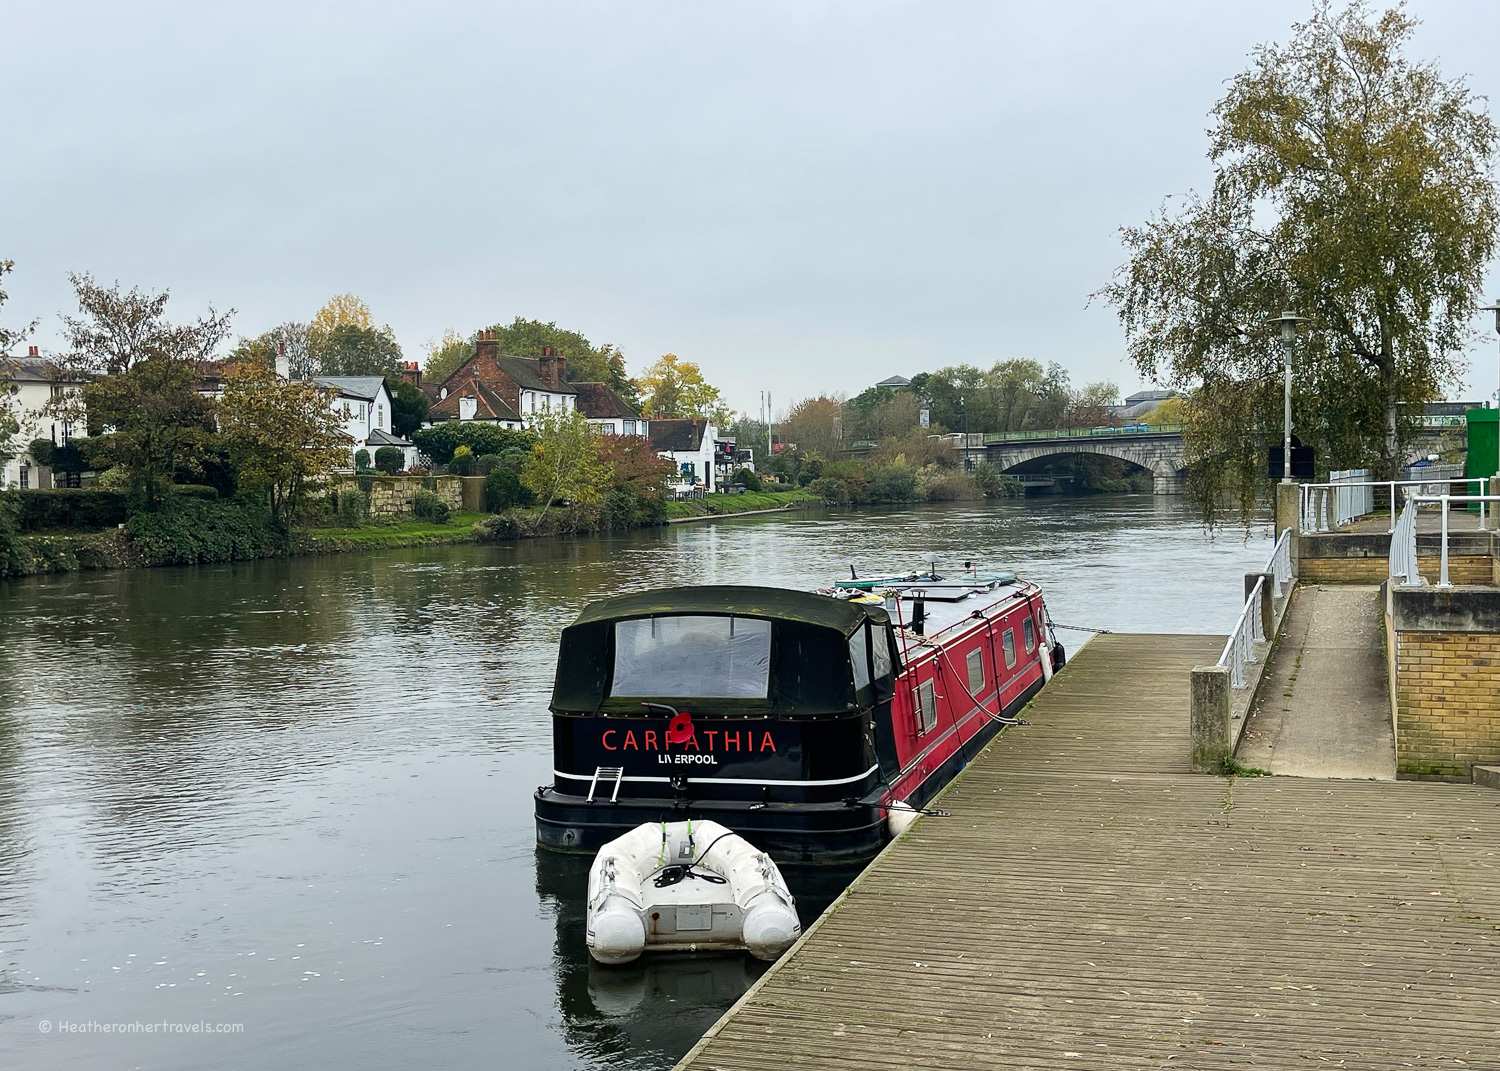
(727, 505)
(414, 533)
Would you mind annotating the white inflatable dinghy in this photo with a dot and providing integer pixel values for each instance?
(687, 887)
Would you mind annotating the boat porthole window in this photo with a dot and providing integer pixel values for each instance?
(1030, 632)
(926, 707)
(976, 673)
(1010, 648)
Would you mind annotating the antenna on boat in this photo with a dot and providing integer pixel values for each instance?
(852, 574)
(931, 560)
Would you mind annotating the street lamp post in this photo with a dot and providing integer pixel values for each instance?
(1288, 323)
(964, 408)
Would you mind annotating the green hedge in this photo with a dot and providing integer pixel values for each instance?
(37, 511)
(192, 531)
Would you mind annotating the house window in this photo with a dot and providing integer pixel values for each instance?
(629, 427)
(926, 707)
(976, 673)
(25, 477)
(1010, 648)
(380, 414)
(1029, 631)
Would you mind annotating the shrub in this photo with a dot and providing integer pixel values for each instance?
(40, 451)
(937, 484)
(196, 490)
(487, 464)
(747, 479)
(625, 507)
(429, 507)
(388, 459)
(90, 508)
(190, 531)
(503, 490)
(361, 460)
(352, 507)
(462, 462)
(831, 489)
(896, 482)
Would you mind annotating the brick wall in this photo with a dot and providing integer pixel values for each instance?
(1447, 703)
(1462, 569)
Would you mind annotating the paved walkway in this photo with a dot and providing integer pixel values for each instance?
(1324, 707)
(1087, 907)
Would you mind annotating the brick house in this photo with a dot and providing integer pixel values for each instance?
(502, 388)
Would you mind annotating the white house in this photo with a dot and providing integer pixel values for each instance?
(34, 382)
(363, 404)
(689, 445)
(607, 412)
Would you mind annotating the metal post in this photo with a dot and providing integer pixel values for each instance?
(1393, 506)
(1443, 569)
(1286, 414)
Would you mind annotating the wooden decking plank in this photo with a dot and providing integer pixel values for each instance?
(1091, 903)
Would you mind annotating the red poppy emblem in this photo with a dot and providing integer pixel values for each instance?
(680, 729)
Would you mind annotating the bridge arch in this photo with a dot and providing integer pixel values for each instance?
(1160, 455)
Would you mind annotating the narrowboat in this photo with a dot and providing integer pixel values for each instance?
(814, 724)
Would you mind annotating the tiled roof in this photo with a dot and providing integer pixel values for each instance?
(527, 371)
(30, 370)
(385, 438)
(488, 403)
(598, 402)
(680, 435)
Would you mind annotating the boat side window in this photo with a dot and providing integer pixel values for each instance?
(926, 707)
(881, 650)
(1029, 630)
(976, 673)
(1010, 648)
(698, 655)
(859, 657)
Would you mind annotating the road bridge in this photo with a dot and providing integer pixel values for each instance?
(1157, 450)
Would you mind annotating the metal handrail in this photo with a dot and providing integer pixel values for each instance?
(1279, 565)
(1099, 431)
(1404, 536)
(1313, 499)
(1239, 651)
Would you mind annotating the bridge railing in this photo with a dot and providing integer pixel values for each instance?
(1082, 433)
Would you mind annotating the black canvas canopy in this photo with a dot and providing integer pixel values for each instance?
(809, 671)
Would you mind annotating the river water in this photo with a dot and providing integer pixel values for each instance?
(278, 814)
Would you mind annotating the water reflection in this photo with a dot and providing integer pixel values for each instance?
(297, 794)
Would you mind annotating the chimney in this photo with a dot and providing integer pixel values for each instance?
(32, 352)
(412, 373)
(486, 345)
(283, 365)
(551, 367)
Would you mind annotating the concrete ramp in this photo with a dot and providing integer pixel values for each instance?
(1324, 707)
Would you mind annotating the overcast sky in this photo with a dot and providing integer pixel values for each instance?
(801, 197)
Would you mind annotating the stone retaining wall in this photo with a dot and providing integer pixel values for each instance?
(392, 496)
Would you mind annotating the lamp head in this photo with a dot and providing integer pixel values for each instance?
(1288, 322)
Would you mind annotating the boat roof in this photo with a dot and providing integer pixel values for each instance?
(776, 604)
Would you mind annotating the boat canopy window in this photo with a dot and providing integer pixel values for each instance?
(692, 655)
(881, 649)
(859, 657)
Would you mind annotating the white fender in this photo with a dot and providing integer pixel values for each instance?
(899, 816)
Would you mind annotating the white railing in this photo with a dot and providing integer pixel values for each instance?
(1323, 507)
(1240, 650)
(1279, 564)
(1404, 538)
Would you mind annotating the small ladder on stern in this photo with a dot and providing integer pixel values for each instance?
(606, 774)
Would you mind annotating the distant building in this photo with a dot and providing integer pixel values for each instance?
(37, 381)
(1143, 401)
(607, 411)
(363, 404)
(505, 389)
(894, 382)
(689, 445)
